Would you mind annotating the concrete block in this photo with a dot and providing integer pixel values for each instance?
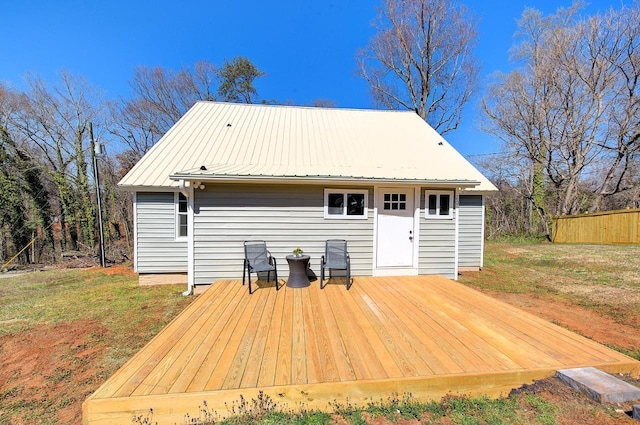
(636, 412)
(601, 386)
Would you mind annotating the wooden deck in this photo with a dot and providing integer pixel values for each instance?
(426, 335)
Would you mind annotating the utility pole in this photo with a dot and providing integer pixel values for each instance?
(98, 151)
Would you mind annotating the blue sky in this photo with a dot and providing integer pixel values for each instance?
(306, 47)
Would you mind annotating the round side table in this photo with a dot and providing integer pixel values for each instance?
(298, 271)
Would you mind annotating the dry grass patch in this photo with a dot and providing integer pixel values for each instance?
(64, 332)
(591, 289)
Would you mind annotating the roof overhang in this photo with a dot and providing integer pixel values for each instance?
(265, 179)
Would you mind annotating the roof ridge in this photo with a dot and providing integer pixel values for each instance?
(322, 108)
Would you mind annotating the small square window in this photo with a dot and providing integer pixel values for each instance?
(181, 216)
(182, 225)
(439, 204)
(345, 203)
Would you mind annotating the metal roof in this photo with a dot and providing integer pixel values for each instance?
(229, 141)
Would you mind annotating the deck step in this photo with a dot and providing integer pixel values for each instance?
(601, 386)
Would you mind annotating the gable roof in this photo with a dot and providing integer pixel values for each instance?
(229, 141)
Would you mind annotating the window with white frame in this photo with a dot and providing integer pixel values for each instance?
(181, 216)
(344, 203)
(438, 204)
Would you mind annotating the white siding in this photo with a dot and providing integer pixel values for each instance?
(158, 250)
(285, 216)
(437, 244)
(470, 238)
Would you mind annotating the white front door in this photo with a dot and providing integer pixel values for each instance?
(395, 227)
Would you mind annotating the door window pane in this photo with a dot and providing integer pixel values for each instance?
(395, 201)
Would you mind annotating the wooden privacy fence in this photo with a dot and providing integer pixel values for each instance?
(621, 226)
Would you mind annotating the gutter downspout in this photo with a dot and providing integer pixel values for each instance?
(188, 193)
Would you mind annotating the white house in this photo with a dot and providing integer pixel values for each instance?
(405, 200)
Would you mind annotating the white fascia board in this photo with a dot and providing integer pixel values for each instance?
(463, 184)
(168, 188)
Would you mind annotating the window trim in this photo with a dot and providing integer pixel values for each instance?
(438, 193)
(344, 193)
(178, 213)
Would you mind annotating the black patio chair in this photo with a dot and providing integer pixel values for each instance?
(258, 259)
(336, 257)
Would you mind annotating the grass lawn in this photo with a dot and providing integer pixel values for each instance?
(63, 332)
(591, 289)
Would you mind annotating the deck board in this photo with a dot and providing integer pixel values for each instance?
(306, 347)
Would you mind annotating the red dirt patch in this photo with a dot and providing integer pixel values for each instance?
(119, 270)
(580, 320)
(51, 366)
(575, 408)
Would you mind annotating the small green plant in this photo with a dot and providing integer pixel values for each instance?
(406, 407)
(546, 411)
(249, 412)
(298, 251)
(206, 416)
(348, 411)
(146, 419)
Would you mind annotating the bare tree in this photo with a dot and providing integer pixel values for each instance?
(518, 107)
(53, 128)
(161, 97)
(324, 103)
(571, 111)
(620, 37)
(421, 59)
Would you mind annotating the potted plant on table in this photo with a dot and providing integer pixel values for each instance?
(297, 252)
